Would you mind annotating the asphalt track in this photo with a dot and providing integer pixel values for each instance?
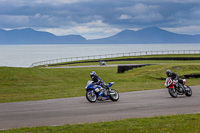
(79, 110)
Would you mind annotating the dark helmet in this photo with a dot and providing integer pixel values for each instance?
(168, 72)
(93, 73)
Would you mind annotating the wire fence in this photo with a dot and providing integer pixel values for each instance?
(93, 57)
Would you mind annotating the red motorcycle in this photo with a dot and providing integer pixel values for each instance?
(175, 88)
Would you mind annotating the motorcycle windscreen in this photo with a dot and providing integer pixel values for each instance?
(110, 84)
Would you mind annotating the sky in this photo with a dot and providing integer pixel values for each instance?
(94, 19)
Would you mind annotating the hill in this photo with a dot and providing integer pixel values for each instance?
(150, 35)
(30, 36)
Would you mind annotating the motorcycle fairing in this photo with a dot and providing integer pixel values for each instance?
(96, 88)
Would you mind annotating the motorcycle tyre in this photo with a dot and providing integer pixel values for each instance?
(89, 98)
(172, 93)
(188, 94)
(114, 99)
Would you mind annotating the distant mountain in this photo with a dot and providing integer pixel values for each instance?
(145, 36)
(30, 36)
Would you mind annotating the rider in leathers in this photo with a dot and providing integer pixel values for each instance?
(174, 76)
(98, 81)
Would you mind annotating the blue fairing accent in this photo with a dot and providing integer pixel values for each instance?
(91, 92)
(91, 86)
(110, 84)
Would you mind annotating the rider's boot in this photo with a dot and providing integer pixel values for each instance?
(184, 87)
(106, 93)
(178, 87)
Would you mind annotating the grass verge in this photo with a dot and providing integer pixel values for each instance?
(164, 124)
(96, 61)
(27, 84)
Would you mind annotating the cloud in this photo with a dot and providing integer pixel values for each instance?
(195, 12)
(37, 2)
(125, 16)
(6, 21)
(141, 13)
(91, 30)
(192, 30)
(98, 18)
(61, 1)
(149, 18)
(167, 1)
(140, 8)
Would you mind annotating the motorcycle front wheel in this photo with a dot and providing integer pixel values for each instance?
(91, 97)
(188, 91)
(114, 95)
(172, 92)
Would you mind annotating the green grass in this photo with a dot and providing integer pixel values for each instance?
(131, 62)
(27, 84)
(164, 124)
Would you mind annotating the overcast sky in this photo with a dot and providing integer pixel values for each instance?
(100, 18)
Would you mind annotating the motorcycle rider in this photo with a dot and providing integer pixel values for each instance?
(174, 76)
(98, 81)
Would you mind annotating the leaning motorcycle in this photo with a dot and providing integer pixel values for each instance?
(96, 92)
(175, 88)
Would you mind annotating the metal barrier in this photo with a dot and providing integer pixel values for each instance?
(62, 60)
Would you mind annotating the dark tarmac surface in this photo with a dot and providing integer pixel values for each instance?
(78, 110)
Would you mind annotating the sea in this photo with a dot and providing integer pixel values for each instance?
(25, 55)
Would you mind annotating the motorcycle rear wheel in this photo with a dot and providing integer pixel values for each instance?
(91, 98)
(114, 97)
(188, 92)
(172, 92)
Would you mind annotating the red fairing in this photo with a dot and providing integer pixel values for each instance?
(170, 82)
